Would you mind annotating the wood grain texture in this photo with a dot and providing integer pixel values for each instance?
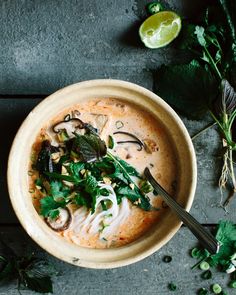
(46, 45)
(150, 276)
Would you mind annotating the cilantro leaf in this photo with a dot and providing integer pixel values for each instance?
(58, 190)
(48, 206)
(190, 88)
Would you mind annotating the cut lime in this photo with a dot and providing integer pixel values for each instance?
(160, 29)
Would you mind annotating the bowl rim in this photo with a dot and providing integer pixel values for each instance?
(140, 90)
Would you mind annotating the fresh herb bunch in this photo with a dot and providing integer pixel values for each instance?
(225, 259)
(206, 83)
(86, 163)
(31, 272)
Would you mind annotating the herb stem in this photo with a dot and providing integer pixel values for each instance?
(213, 64)
(232, 175)
(203, 130)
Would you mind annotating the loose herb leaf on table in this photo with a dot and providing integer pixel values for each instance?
(225, 259)
(31, 272)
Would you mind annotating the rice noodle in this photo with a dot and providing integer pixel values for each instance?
(103, 222)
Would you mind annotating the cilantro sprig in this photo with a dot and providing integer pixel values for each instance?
(207, 83)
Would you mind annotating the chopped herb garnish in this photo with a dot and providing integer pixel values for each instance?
(204, 265)
(154, 7)
(119, 124)
(172, 287)
(216, 288)
(206, 275)
(167, 259)
(232, 284)
(202, 291)
(111, 142)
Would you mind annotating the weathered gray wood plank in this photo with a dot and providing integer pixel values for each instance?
(46, 45)
(205, 208)
(150, 276)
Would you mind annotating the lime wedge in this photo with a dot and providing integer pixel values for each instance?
(160, 29)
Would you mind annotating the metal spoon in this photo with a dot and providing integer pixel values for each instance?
(205, 238)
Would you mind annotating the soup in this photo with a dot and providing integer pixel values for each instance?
(86, 170)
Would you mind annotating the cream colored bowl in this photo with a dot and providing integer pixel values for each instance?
(18, 179)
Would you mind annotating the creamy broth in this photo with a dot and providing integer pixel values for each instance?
(109, 116)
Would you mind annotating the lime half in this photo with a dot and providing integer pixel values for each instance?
(160, 29)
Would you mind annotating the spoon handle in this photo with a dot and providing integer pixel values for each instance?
(205, 238)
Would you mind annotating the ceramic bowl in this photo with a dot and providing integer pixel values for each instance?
(19, 158)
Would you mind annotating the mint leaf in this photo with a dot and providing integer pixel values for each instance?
(35, 274)
(190, 88)
(89, 147)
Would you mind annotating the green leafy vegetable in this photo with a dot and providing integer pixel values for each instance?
(206, 275)
(202, 291)
(179, 86)
(216, 288)
(89, 147)
(212, 43)
(31, 273)
(154, 7)
(48, 206)
(172, 287)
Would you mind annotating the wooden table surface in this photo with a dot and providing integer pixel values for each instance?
(45, 45)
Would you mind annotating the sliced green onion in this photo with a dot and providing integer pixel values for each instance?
(232, 284)
(195, 253)
(172, 287)
(119, 124)
(204, 265)
(111, 142)
(154, 7)
(202, 291)
(206, 275)
(216, 288)
(167, 259)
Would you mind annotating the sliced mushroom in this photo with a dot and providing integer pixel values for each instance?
(62, 222)
(136, 141)
(70, 125)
